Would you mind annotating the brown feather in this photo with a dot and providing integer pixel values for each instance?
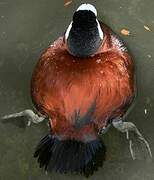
(63, 84)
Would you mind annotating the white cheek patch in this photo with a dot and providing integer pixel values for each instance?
(68, 31)
(88, 7)
(99, 30)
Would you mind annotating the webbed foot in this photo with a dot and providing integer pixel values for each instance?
(29, 114)
(127, 127)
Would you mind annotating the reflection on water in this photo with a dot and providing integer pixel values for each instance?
(26, 28)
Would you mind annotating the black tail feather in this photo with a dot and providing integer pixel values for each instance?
(70, 155)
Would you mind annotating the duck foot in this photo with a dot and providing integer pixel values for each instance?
(127, 127)
(29, 114)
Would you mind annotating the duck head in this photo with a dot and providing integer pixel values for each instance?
(84, 35)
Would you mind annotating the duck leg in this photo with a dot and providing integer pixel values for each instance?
(105, 129)
(29, 114)
(127, 127)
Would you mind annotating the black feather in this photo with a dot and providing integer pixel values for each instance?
(70, 155)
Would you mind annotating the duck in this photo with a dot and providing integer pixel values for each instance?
(83, 83)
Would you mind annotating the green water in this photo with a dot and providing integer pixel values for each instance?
(26, 28)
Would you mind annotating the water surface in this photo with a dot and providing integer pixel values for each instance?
(26, 29)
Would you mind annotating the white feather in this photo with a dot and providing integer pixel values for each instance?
(68, 31)
(99, 30)
(88, 7)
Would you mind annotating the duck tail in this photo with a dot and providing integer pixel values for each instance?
(70, 155)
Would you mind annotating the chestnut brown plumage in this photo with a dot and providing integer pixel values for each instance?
(80, 96)
(83, 83)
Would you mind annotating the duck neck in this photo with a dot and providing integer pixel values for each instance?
(84, 42)
(84, 35)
